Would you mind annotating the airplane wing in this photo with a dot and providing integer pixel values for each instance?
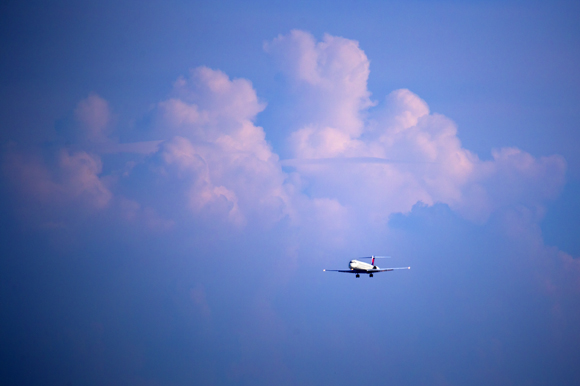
(388, 269)
(365, 272)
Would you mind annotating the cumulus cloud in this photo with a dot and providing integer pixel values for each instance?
(181, 156)
(46, 191)
(423, 157)
(212, 144)
(79, 178)
(512, 178)
(206, 105)
(94, 117)
(57, 180)
(92, 127)
(356, 162)
(331, 79)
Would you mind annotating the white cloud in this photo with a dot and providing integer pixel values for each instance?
(373, 162)
(330, 79)
(512, 178)
(189, 164)
(213, 143)
(423, 157)
(206, 105)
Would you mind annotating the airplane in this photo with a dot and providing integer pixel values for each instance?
(359, 267)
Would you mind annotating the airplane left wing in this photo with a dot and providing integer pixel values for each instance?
(389, 269)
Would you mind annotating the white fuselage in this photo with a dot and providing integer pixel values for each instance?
(356, 265)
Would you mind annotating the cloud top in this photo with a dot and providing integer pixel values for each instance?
(427, 160)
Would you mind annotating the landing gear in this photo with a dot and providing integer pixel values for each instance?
(357, 275)
(371, 275)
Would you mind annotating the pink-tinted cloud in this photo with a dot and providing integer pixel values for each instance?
(207, 150)
(74, 179)
(423, 159)
(94, 117)
(52, 194)
(206, 105)
(330, 78)
(213, 143)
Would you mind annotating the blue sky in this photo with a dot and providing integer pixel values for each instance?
(176, 175)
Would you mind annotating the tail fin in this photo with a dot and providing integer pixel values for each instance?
(374, 257)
